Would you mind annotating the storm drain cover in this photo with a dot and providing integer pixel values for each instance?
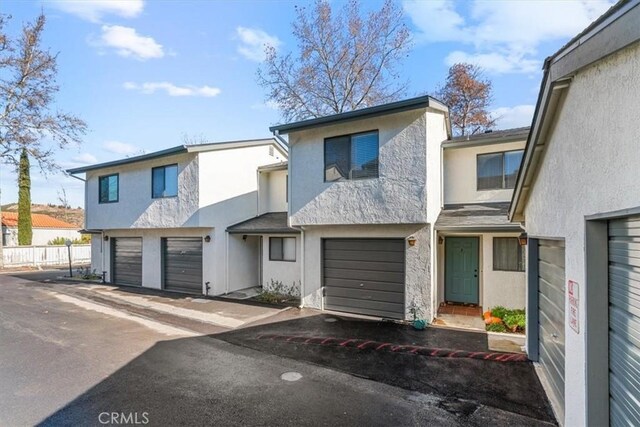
(291, 376)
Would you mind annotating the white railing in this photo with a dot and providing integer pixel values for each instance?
(17, 256)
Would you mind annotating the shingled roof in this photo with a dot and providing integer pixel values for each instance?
(10, 219)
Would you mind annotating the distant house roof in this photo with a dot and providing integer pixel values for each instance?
(615, 30)
(272, 222)
(181, 149)
(10, 219)
(476, 217)
(491, 137)
(363, 113)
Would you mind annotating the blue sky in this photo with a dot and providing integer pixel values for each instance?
(143, 74)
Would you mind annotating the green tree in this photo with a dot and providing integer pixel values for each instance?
(25, 233)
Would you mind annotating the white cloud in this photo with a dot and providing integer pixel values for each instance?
(496, 62)
(117, 147)
(253, 42)
(504, 35)
(85, 159)
(128, 43)
(173, 90)
(513, 117)
(94, 10)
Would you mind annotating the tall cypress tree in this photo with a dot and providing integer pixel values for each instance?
(24, 200)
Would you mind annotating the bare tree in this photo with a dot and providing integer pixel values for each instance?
(64, 202)
(345, 61)
(468, 95)
(27, 90)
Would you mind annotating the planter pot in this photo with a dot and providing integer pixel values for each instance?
(419, 324)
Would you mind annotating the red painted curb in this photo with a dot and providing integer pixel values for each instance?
(395, 348)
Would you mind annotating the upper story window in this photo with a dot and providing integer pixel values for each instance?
(164, 181)
(351, 157)
(108, 188)
(498, 170)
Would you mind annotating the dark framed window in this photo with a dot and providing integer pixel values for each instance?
(164, 181)
(282, 249)
(351, 157)
(508, 255)
(498, 170)
(108, 188)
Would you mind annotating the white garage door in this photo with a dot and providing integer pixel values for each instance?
(624, 322)
(551, 297)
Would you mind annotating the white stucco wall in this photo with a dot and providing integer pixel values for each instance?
(397, 196)
(590, 167)
(287, 272)
(152, 249)
(97, 255)
(244, 261)
(417, 258)
(229, 194)
(40, 237)
(273, 191)
(460, 174)
(135, 207)
(505, 288)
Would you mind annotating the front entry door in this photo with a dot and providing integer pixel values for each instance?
(461, 269)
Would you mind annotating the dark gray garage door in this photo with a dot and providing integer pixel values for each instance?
(624, 322)
(126, 260)
(182, 264)
(551, 316)
(364, 276)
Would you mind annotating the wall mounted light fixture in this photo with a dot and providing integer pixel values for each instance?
(244, 237)
(207, 238)
(523, 239)
(106, 238)
(440, 240)
(411, 240)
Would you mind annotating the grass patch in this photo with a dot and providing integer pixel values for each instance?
(511, 320)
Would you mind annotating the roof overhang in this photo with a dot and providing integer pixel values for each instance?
(613, 31)
(509, 228)
(496, 137)
(183, 149)
(364, 113)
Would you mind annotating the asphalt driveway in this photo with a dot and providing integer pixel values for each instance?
(67, 357)
(465, 383)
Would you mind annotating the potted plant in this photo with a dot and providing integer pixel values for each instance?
(417, 323)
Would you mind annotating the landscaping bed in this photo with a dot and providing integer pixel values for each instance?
(501, 319)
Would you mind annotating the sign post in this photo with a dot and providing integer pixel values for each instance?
(69, 243)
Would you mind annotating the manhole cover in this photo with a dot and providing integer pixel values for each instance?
(291, 376)
(330, 320)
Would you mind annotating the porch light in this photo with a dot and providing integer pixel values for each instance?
(523, 239)
(106, 238)
(411, 240)
(207, 238)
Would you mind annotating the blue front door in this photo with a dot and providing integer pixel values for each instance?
(461, 269)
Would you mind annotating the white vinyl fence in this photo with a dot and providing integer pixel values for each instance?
(17, 256)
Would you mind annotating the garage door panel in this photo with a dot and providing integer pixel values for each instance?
(374, 286)
(375, 245)
(551, 316)
(182, 264)
(346, 255)
(365, 294)
(364, 276)
(127, 260)
(365, 265)
(357, 304)
(624, 321)
(379, 276)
